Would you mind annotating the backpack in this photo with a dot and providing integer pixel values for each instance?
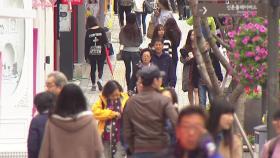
(148, 7)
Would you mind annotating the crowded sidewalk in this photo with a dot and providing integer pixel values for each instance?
(119, 68)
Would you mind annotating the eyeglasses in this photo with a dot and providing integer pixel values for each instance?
(49, 85)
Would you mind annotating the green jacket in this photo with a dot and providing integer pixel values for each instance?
(211, 23)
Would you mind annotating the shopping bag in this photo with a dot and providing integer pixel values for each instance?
(150, 30)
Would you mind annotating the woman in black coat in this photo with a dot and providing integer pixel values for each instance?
(173, 33)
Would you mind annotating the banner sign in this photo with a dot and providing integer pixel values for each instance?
(73, 2)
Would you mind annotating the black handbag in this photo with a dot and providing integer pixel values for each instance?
(111, 49)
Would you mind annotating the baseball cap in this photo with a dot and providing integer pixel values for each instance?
(150, 72)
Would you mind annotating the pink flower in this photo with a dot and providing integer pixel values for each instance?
(257, 26)
(231, 34)
(253, 13)
(262, 29)
(278, 44)
(256, 38)
(256, 90)
(232, 43)
(257, 58)
(266, 22)
(250, 54)
(236, 55)
(246, 15)
(250, 26)
(244, 69)
(246, 40)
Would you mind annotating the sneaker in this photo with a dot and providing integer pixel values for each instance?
(99, 84)
(93, 88)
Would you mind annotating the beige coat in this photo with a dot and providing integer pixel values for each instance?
(69, 138)
(236, 151)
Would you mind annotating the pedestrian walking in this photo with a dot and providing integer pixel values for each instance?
(108, 111)
(162, 13)
(130, 37)
(145, 114)
(125, 6)
(193, 140)
(170, 93)
(173, 33)
(202, 87)
(190, 71)
(220, 126)
(43, 102)
(55, 82)
(95, 50)
(71, 131)
(140, 15)
(165, 64)
(184, 9)
(159, 33)
(271, 149)
(146, 59)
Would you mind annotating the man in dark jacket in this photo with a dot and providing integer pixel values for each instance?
(164, 63)
(145, 116)
(43, 102)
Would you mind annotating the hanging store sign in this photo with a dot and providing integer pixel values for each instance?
(73, 2)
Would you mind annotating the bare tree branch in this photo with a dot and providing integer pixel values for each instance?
(221, 27)
(224, 44)
(216, 50)
(199, 44)
(239, 89)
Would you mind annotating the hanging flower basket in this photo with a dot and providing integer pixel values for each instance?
(249, 57)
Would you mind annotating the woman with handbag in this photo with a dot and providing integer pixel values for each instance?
(95, 51)
(131, 39)
(190, 71)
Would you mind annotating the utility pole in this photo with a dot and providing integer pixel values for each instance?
(273, 75)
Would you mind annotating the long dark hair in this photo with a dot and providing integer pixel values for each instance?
(165, 4)
(131, 29)
(91, 22)
(172, 31)
(155, 33)
(220, 106)
(70, 101)
(188, 44)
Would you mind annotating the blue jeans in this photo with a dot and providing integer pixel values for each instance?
(202, 90)
(144, 155)
(141, 18)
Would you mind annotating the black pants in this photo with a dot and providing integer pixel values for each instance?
(173, 5)
(141, 20)
(122, 10)
(130, 58)
(99, 61)
(116, 4)
(175, 61)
